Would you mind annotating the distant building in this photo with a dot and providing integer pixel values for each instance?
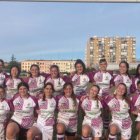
(113, 49)
(64, 65)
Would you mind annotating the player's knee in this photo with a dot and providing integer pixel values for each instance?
(86, 131)
(10, 131)
(30, 134)
(113, 129)
(60, 128)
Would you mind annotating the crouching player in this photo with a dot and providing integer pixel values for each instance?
(24, 107)
(45, 121)
(119, 107)
(135, 108)
(5, 108)
(92, 124)
(67, 114)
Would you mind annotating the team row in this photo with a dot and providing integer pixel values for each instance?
(30, 117)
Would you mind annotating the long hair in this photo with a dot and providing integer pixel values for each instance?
(79, 61)
(34, 65)
(15, 66)
(127, 66)
(72, 95)
(125, 94)
(1, 87)
(97, 97)
(137, 71)
(50, 84)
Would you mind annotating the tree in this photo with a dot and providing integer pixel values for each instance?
(13, 62)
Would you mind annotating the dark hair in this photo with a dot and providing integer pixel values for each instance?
(15, 66)
(138, 82)
(23, 84)
(127, 66)
(79, 61)
(102, 60)
(1, 87)
(72, 95)
(137, 71)
(97, 97)
(2, 62)
(34, 65)
(125, 94)
(50, 84)
(55, 66)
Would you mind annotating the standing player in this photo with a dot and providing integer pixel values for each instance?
(119, 106)
(45, 121)
(135, 80)
(80, 80)
(92, 106)
(56, 80)
(3, 75)
(104, 80)
(5, 109)
(12, 82)
(67, 114)
(123, 76)
(35, 81)
(24, 107)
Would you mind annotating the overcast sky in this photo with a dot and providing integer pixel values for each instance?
(61, 30)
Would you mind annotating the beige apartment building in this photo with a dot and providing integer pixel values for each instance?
(113, 49)
(64, 65)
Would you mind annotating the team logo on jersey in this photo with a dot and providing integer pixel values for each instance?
(2, 107)
(106, 78)
(52, 105)
(28, 105)
(84, 80)
(128, 81)
(125, 106)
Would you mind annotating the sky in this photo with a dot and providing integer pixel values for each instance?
(60, 30)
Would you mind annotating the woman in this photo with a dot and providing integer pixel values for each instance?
(119, 106)
(135, 80)
(35, 81)
(80, 80)
(56, 80)
(92, 123)
(123, 76)
(24, 107)
(104, 79)
(5, 111)
(12, 82)
(45, 120)
(67, 114)
(3, 75)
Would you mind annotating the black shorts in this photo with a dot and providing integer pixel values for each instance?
(70, 133)
(22, 131)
